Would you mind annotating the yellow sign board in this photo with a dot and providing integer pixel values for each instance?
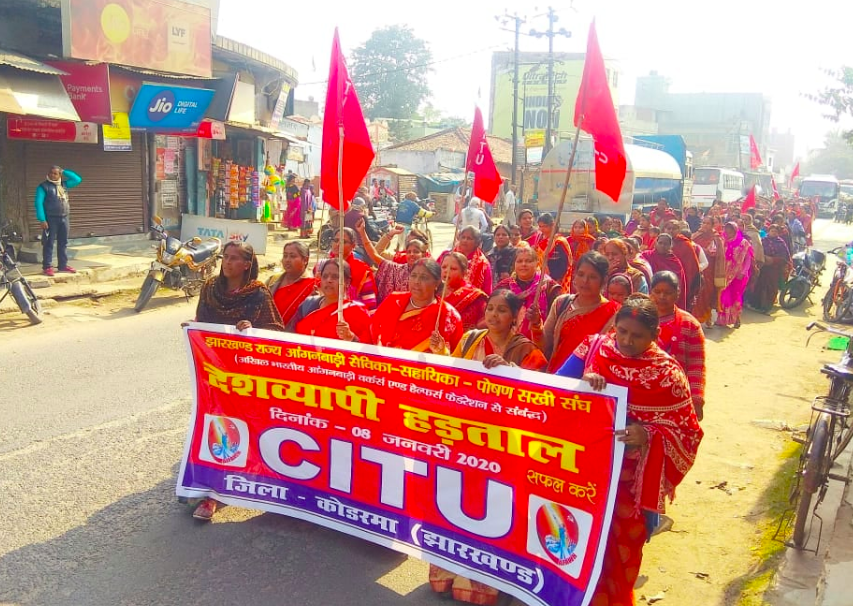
(117, 135)
(534, 138)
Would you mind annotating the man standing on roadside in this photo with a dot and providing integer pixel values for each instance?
(52, 211)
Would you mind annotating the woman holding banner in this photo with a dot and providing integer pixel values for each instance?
(661, 437)
(524, 283)
(291, 288)
(407, 320)
(318, 315)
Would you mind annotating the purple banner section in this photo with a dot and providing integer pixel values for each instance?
(446, 548)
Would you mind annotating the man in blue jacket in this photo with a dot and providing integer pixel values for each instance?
(52, 211)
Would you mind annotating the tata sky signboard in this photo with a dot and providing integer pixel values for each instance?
(169, 108)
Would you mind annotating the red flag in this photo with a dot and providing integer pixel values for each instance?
(487, 180)
(595, 114)
(794, 175)
(342, 118)
(776, 195)
(749, 202)
(754, 156)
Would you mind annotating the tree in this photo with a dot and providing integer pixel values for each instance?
(390, 73)
(836, 157)
(838, 97)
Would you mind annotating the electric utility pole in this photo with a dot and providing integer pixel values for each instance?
(550, 34)
(518, 21)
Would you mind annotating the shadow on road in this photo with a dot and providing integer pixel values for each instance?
(147, 549)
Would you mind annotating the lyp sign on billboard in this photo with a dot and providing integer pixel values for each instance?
(169, 108)
(166, 35)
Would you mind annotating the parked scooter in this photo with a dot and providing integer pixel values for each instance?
(808, 267)
(12, 281)
(180, 265)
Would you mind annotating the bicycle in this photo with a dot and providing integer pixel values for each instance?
(12, 280)
(829, 433)
(838, 301)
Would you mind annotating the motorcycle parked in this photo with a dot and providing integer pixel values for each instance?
(12, 281)
(808, 267)
(838, 301)
(180, 265)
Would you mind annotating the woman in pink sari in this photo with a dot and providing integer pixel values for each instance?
(738, 267)
(293, 217)
(524, 283)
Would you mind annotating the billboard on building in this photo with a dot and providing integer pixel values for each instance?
(165, 35)
(533, 91)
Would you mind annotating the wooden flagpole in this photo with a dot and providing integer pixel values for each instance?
(341, 235)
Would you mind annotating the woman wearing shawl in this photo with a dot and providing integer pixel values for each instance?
(681, 335)
(293, 217)
(634, 222)
(661, 258)
(713, 275)
(593, 228)
(661, 438)
(527, 223)
(392, 276)
(573, 317)
(580, 240)
(635, 260)
(497, 345)
(738, 267)
(470, 302)
(318, 315)
(524, 283)
(616, 252)
(479, 270)
(291, 288)
(560, 261)
(307, 207)
(777, 260)
(502, 255)
(683, 248)
(406, 320)
(363, 287)
(236, 297)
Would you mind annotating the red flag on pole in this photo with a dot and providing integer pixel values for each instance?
(749, 202)
(754, 156)
(595, 114)
(345, 137)
(487, 180)
(794, 174)
(776, 195)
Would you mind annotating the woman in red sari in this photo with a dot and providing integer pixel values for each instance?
(684, 249)
(712, 243)
(479, 269)
(470, 302)
(318, 315)
(524, 283)
(560, 264)
(363, 286)
(573, 317)
(406, 320)
(661, 438)
(661, 258)
(296, 284)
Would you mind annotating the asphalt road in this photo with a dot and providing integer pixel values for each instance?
(94, 413)
(94, 416)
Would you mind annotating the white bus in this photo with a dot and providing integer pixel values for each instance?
(710, 183)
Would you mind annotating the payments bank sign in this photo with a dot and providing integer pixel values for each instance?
(166, 108)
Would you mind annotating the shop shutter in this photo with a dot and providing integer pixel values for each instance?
(113, 198)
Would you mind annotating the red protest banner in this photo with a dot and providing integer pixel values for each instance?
(508, 477)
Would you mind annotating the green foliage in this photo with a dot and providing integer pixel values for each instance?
(836, 157)
(390, 73)
(838, 97)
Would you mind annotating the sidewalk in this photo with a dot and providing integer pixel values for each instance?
(104, 270)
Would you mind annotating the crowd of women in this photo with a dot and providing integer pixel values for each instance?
(612, 303)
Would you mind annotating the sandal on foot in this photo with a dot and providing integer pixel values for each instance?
(205, 510)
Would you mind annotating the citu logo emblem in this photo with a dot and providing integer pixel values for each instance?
(161, 106)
